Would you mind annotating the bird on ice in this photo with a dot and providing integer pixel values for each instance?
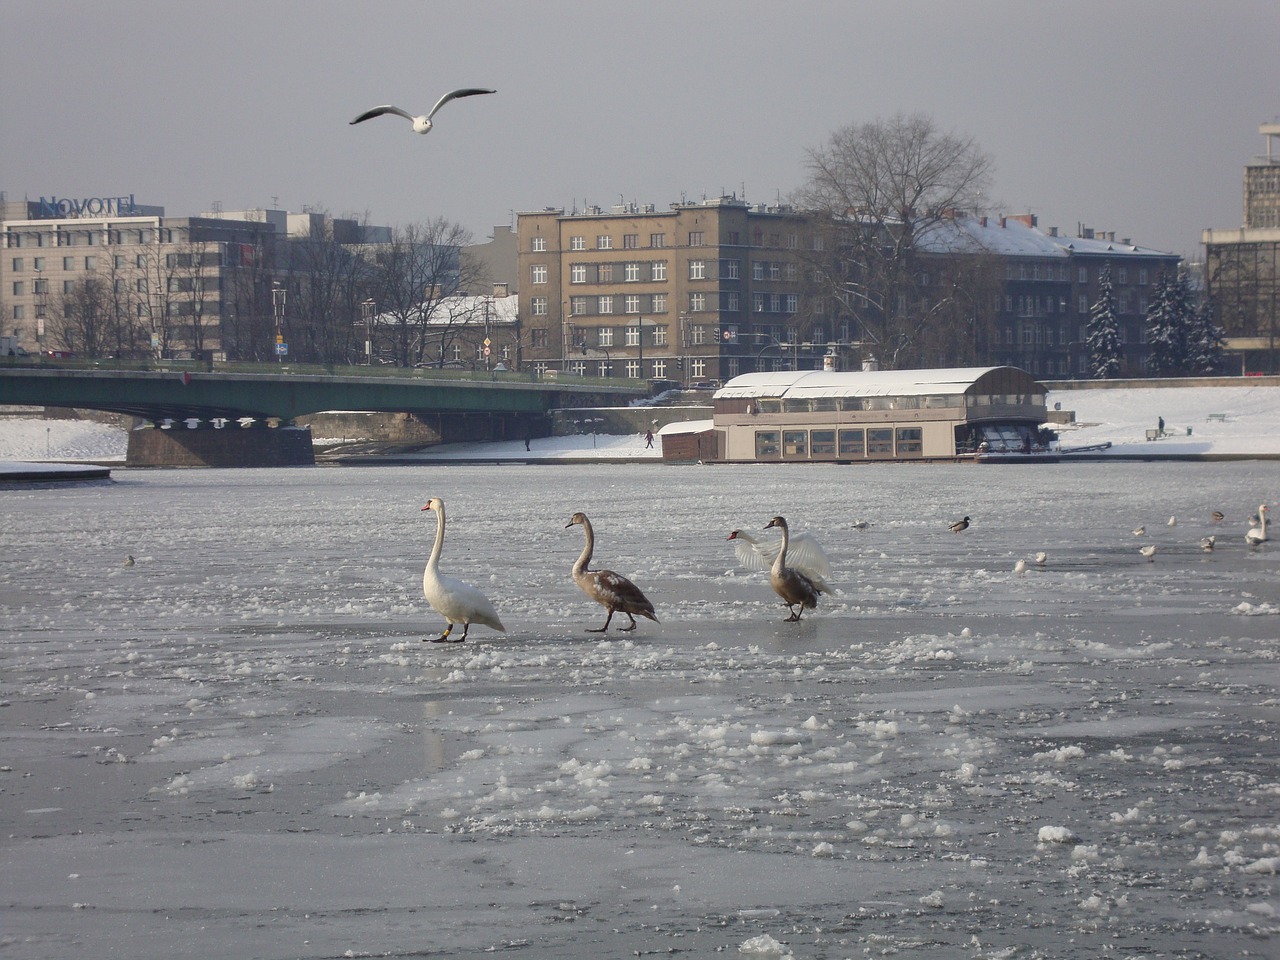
(960, 525)
(421, 124)
(1149, 552)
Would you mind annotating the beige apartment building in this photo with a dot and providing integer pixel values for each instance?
(688, 293)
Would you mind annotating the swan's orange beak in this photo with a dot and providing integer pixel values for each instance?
(427, 507)
(733, 535)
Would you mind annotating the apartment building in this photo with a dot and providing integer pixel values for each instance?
(696, 292)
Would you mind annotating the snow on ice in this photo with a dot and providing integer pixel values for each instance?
(240, 745)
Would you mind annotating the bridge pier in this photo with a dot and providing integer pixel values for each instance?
(257, 445)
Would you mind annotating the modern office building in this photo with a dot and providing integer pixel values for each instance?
(1242, 266)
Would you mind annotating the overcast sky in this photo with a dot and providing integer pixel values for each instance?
(1136, 117)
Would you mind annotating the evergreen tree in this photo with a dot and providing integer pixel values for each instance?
(1206, 342)
(1102, 337)
(1166, 333)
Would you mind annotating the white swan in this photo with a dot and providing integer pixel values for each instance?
(1258, 534)
(803, 554)
(611, 590)
(421, 124)
(795, 589)
(454, 600)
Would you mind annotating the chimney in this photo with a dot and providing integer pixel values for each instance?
(1003, 222)
(501, 290)
(983, 221)
(1053, 231)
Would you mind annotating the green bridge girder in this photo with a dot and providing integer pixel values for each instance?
(180, 395)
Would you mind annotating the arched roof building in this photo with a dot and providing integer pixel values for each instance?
(820, 415)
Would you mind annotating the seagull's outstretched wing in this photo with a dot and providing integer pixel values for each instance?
(454, 95)
(379, 111)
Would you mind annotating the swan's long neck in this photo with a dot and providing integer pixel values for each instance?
(780, 561)
(1262, 520)
(584, 559)
(433, 562)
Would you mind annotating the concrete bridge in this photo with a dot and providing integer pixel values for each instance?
(198, 413)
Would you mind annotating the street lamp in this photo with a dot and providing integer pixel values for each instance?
(367, 309)
(278, 297)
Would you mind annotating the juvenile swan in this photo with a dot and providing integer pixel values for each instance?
(611, 590)
(795, 589)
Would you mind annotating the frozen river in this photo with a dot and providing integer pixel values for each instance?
(237, 746)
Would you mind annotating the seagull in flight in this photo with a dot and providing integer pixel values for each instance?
(421, 124)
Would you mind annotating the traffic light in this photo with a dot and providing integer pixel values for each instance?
(679, 363)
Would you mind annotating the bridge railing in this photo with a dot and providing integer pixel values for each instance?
(383, 371)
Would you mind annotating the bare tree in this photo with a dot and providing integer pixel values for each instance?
(331, 279)
(81, 318)
(421, 266)
(880, 189)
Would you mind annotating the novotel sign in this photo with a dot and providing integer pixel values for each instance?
(86, 207)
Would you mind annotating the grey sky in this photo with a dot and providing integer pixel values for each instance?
(1135, 117)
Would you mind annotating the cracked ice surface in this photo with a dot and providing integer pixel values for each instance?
(239, 746)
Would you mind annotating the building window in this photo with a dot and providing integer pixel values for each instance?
(538, 245)
(538, 273)
(633, 369)
(577, 243)
(578, 368)
(604, 243)
(697, 238)
(757, 303)
(1122, 275)
(578, 306)
(90, 263)
(660, 336)
(790, 303)
(630, 241)
(697, 269)
(850, 443)
(604, 336)
(538, 306)
(578, 273)
(658, 269)
(698, 369)
(633, 336)
(910, 443)
(18, 289)
(658, 303)
(632, 303)
(822, 443)
(68, 263)
(657, 240)
(767, 444)
(631, 272)
(660, 369)
(757, 270)
(17, 264)
(699, 334)
(1082, 275)
(795, 444)
(604, 305)
(732, 303)
(604, 273)
(1142, 276)
(538, 338)
(880, 442)
(697, 302)
(729, 269)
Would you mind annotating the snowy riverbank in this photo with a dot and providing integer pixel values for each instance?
(1199, 421)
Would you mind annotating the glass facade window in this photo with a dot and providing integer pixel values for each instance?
(910, 441)
(795, 444)
(822, 443)
(880, 442)
(767, 444)
(851, 444)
